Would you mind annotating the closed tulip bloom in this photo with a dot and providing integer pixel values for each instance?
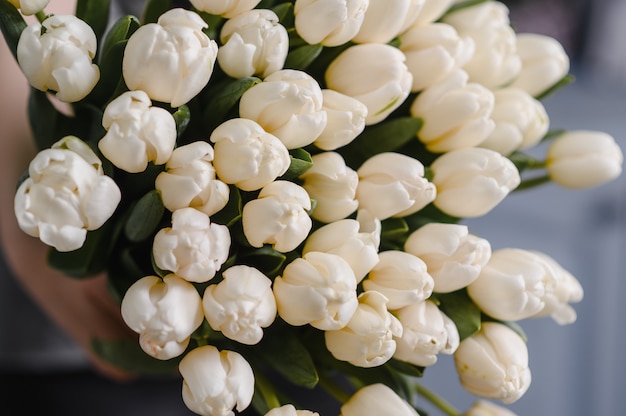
(427, 332)
(193, 247)
(253, 43)
(329, 22)
(375, 400)
(584, 159)
(493, 363)
(317, 289)
(456, 114)
(278, 217)
(65, 195)
(246, 155)
(137, 132)
(287, 104)
(367, 340)
(225, 8)
(164, 312)
(290, 410)
(216, 382)
(385, 19)
(374, 74)
(29, 7)
(332, 185)
(486, 408)
(432, 10)
(402, 277)
(189, 180)
(241, 305)
(345, 120)
(471, 182)
(171, 60)
(57, 55)
(454, 257)
(393, 185)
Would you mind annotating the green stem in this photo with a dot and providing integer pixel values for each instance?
(41, 16)
(267, 391)
(333, 388)
(436, 400)
(531, 183)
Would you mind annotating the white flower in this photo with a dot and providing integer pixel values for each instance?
(329, 22)
(376, 400)
(432, 10)
(393, 185)
(216, 382)
(385, 19)
(290, 410)
(485, 408)
(253, 43)
(454, 256)
(456, 114)
(287, 104)
(65, 195)
(583, 159)
(57, 55)
(246, 155)
(137, 132)
(493, 363)
(374, 74)
(278, 216)
(427, 332)
(189, 180)
(345, 120)
(332, 185)
(402, 277)
(317, 289)
(225, 8)
(471, 182)
(30, 7)
(241, 305)
(171, 60)
(164, 312)
(356, 241)
(192, 247)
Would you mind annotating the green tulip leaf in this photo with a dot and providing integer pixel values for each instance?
(95, 13)
(11, 24)
(182, 116)
(464, 313)
(284, 11)
(153, 9)
(231, 213)
(145, 217)
(47, 123)
(127, 355)
(224, 98)
(269, 261)
(301, 161)
(406, 368)
(301, 57)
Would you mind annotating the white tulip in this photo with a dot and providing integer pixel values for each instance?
(471, 182)
(193, 247)
(583, 159)
(30, 7)
(57, 55)
(456, 114)
(225, 8)
(367, 340)
(393, 185)
(485, 408)
(216, 382)
(375, 400)
(241, 305)
(432, 10)
(189, 180)
(493, 363)
(171, 60)
(278, 217)
(374, 74)
(164, 312)
(427, 332)
(290, 410)
(248, 156)
(385, 19)
(402, 277)
(287, 104)
(317, 289)
(345, 120)
(315, 24)
(356, 241)
(253, 43)
(332, 185)
(454, 257)
(65, 195)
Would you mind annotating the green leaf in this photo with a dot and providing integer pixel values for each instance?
(95, 13)
(266, 259)
(182, 116)
(284, 11)
(459, 307)
(393, 234)
(11, 24)
(301, 57)
(430, 213)
(301, 161)
(45, 119)
(145, 217)
(225, 97)
(153, 9)
(231, 213)
(127, 355)
(406, 368)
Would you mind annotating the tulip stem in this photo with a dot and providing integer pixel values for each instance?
(41, 16)
(436, 400)
(333, 388)
(267, 391)
(531, 183)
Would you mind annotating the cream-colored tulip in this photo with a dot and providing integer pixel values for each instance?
(486, 408)
(315, 24)
(345, 120)
(376, 400)
(385, 19)
(225, 8)
(290, 410)
(30, 7)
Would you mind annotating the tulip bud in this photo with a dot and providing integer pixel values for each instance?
(332, 185)
(317, 289)
(164, 312)
(65, 195)
(374, 74)
(247, 156)
(454, 257)
(278, 217)
(289, 410)
(225, 8)
(216, 382)
(287, 104)
(471, 182)
(432, 10)
(583, 159)
(345, 120)
(171, 60)
(385, 19)
(493, 363)
(57, 55)
(456, 114)
(30, 7)
(137, 133)
(401, 277)
(315, 25)
(485, 408)
(375, 400)
(253, 43)
(192, 247)
(393, 185)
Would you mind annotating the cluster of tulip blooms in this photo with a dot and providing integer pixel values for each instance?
(277, 189)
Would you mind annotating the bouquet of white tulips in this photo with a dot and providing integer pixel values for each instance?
(277, 191)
